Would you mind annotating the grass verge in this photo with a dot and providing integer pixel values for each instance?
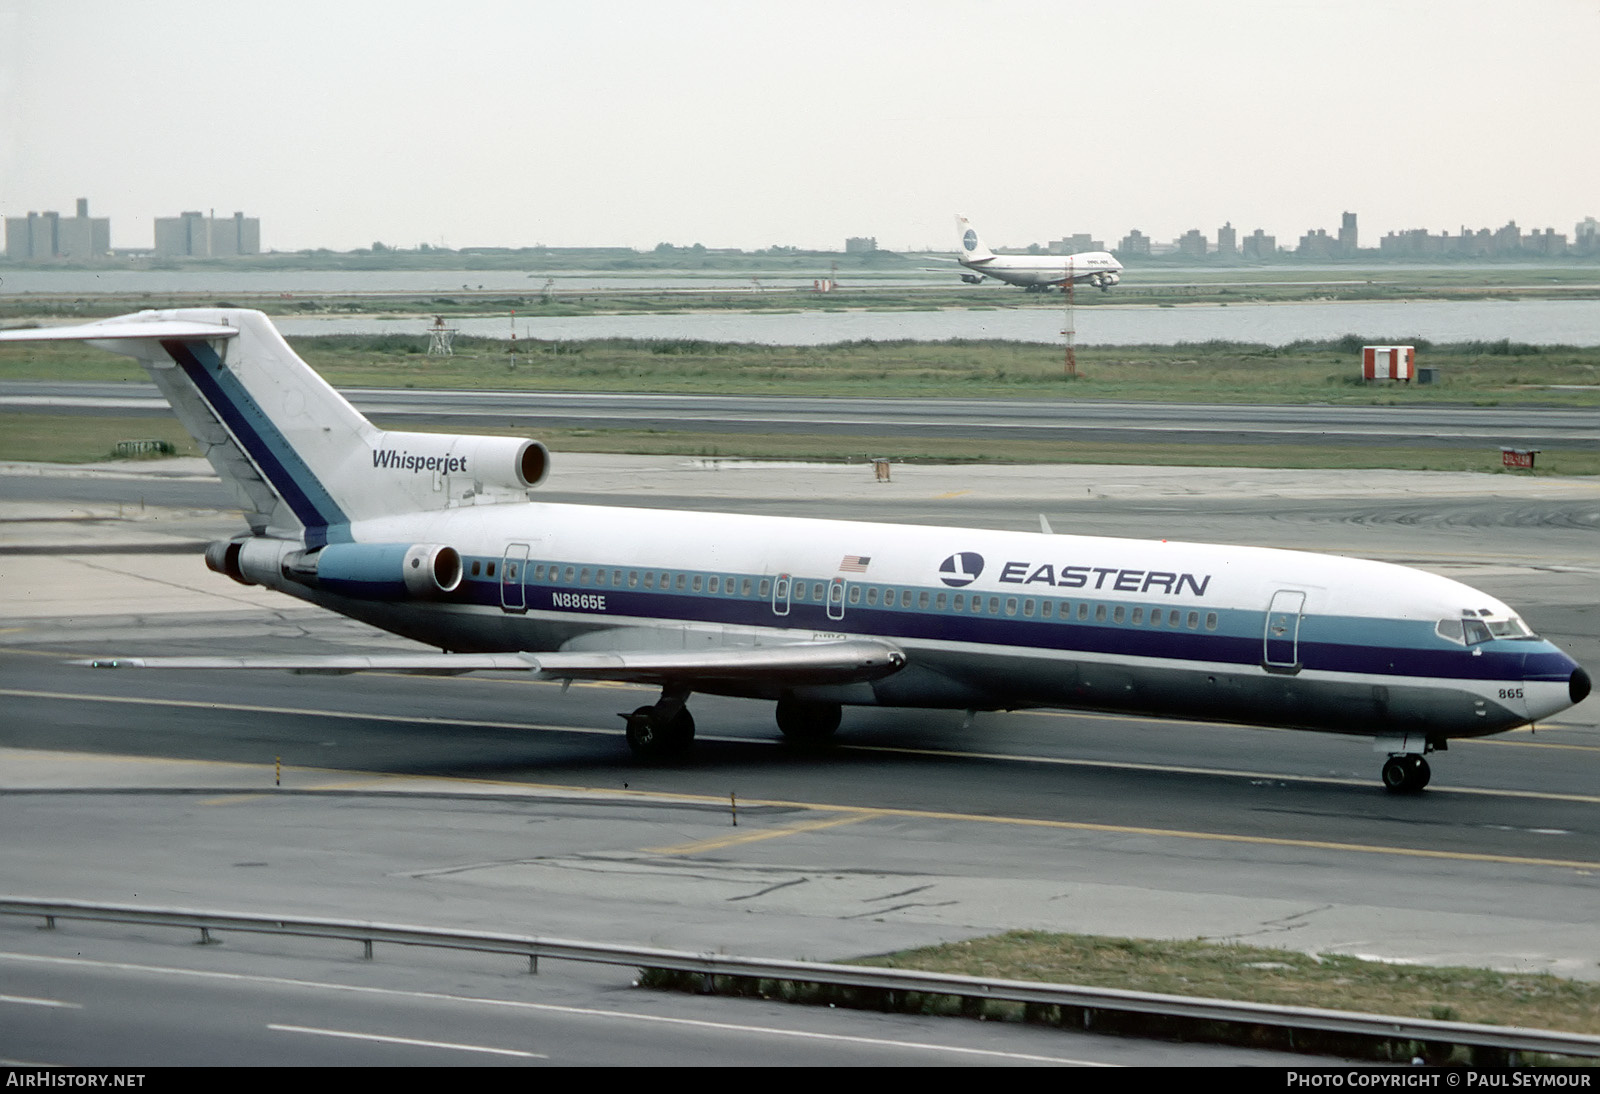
(66, 438)
(1207, 970)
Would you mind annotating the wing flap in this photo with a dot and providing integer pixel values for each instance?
(836, 662)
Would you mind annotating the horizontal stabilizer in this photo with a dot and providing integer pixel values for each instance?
(805, 663)
(125, 327)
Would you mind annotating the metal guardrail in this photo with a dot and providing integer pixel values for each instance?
(1377, 1026)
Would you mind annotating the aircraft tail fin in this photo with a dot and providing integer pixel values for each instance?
(971, 248)
(302, 459)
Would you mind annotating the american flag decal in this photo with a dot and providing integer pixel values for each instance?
(854, 564)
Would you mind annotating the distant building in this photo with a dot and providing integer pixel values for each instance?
(1259, 247)
(1227, 240)
(1076, 244)
(1192, 244)
(1586, 236)
(1318, 244)
(860, 245)
(1347, 235)
(195, 235)
(50, 235)
(1134, 244)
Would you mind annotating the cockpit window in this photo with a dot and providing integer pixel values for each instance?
(1470, 630)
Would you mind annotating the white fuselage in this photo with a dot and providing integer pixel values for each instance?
(987, 619)
(1043, 269)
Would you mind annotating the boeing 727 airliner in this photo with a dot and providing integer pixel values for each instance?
(434, 537)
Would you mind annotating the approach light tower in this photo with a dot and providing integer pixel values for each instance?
(1070, 332)
(440, 338)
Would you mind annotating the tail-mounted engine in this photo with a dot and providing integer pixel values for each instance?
(368, 571)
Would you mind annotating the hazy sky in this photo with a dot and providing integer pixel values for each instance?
(476, 122)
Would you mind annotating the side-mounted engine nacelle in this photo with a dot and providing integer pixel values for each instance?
(370, 571)
(973, 279)
(381, 571)
(1105, 280)
(251, 560)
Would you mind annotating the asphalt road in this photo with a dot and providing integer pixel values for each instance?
(953, 419)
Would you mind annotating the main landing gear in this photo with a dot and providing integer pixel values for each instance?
(1406, 774)
(807, 723)
(664, 731)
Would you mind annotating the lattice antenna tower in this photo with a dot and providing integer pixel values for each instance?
(441, 338)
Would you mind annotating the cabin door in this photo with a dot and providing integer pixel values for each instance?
(513, 598)
(1281, 644)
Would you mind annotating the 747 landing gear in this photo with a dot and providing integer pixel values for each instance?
(664, 731)
(1406, 774)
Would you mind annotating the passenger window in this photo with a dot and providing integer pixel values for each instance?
(1027, 608)
(1174, 618)
(940, 602)
(1011, 605)
(1194, 620)
(994, 605)
(1211, 621)
(872, 595)
(1099, 613)
(716, 583)
(818, 591)
(855, 594)
(1155, 617)
(649, 579)
(682, 580)
(1045, 607)
(599, 577)
(766, 587)
(1116, 614)
(583, 578)
(744, 588)
(490, 571)
(1138, 616)
(475, 569)
(1083, 611)
(922, 599)
(633, 579)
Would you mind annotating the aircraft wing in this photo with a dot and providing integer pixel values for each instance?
(833, 662)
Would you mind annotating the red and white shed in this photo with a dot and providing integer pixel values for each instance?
(1388, 362)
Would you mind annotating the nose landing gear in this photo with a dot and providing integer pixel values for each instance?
(1406, 774)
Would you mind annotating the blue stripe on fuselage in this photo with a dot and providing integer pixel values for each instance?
(270, 450)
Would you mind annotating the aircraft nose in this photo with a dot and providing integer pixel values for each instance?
(1578, 685)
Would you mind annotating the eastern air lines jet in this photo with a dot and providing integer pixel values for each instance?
(1037, 273)
(434, 537)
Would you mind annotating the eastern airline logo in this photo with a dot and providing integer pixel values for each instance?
(970, 242)
(962, 569)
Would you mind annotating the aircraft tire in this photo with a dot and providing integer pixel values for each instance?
(652, 738)
(1406, 774)
(805, 722)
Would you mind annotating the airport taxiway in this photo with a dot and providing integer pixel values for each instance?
(513, 805)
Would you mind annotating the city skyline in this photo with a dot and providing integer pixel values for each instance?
(506, 124)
